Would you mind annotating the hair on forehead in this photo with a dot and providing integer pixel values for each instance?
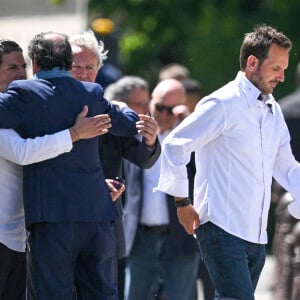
(8, 46)
(259, 41)
(88, 40)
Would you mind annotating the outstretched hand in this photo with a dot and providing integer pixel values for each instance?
(90, 127)
(181, 112)
(119, 104)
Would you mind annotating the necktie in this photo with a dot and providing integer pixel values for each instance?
(260, 98)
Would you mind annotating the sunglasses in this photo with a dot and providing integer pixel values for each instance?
(160, 107)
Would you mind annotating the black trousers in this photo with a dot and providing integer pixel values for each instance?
(12, 274)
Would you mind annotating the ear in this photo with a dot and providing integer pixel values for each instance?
(252, 63)
(35, 67)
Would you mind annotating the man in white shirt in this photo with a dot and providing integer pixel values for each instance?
(240, 141)
(15, 151)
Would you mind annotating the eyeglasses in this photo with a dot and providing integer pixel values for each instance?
(160, 107)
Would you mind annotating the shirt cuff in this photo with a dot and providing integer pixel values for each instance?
(174, 187)
(64, 140)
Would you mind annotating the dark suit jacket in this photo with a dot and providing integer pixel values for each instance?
(112, 151)
(181, 241)
(290, 106)
(114, 148)
(70, 187)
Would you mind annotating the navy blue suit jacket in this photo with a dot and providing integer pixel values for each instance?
(70, 187)
(114, 148)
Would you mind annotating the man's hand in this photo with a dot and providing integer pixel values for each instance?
(115, 193)
(86, 128)
(147, 127)
(181, 112)
(119, 104)
(188, 218)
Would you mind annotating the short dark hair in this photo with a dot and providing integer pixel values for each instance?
(259, 41)
(49, 53)
(8, 46)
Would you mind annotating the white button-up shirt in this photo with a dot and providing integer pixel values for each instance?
(16, 151)
(154, 201)
(239, 143)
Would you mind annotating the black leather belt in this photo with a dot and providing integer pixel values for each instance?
(158, 228)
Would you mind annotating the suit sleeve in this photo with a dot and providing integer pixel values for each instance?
(12, 107)
(123, 121)
(27, 151)
(137, 152)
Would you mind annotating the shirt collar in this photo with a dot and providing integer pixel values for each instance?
(271, 103)
(251, 92)
(55, 72)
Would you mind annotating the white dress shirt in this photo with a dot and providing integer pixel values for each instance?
(154, 210)
(239, 144)
(16, 151)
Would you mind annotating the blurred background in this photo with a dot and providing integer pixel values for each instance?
(144, 35)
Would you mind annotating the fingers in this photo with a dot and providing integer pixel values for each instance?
(116, 195)
(119, 104)
(147, 127)
(188, 218)
(101, 123)
(181, 111)
(189, 228)
(114, 192)
(196, 223)
(93, 126)
(84, 112)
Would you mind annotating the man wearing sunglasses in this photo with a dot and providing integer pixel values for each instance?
(159, 252)
(168, 112)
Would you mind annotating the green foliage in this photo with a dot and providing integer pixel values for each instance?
(57, 2)
(204, 35)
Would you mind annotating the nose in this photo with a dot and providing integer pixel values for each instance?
(79, 73)
(83, 74)
(280, 77)
(22, 74)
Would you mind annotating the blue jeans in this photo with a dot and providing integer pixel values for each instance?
(152, 261)
(234, 265)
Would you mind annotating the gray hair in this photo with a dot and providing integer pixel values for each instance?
(88, 40)
(122, 88)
